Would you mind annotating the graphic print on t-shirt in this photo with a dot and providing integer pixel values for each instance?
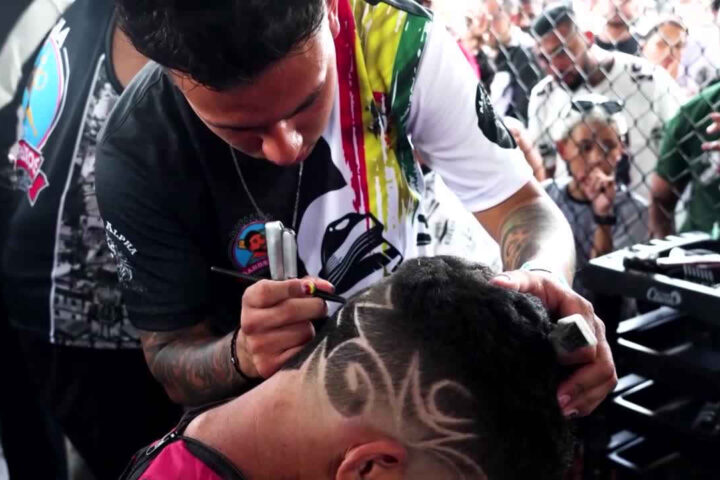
(42, 106)
(87, 308)
(489, 123)
(353, 248)
(248, 250)
(710, 161)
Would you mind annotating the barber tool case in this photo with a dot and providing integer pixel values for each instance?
(613, 274)
(669, 344)
(666, 406)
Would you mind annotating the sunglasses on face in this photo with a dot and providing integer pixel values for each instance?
(611, 107)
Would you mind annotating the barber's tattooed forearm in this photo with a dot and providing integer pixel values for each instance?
(522, 234)
(192, 365)
(535, 230)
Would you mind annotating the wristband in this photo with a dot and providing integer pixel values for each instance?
(234, 360)
(605, 219)
(533, 266)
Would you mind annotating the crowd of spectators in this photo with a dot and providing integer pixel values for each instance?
(548, 65)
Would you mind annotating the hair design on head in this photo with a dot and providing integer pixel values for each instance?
(219, 43)
(432, 356)
(358, 382)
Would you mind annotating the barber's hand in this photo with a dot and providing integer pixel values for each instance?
(595, 376)
(276, 323)
(713, 128)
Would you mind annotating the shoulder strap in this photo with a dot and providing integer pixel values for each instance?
(144, 458)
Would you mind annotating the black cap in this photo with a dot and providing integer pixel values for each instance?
(553, 14)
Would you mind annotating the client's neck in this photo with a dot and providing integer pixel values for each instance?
(258, 431)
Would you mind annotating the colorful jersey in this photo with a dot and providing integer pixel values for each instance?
(174, 203)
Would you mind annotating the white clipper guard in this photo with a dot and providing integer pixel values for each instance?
(572, 333)
(282, 251)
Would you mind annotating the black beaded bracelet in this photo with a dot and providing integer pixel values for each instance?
(236, 362)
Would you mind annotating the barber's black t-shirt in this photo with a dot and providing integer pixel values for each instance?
(179, 206)
(58, 275)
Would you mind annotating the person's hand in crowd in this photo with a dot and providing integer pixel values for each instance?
(595, 376)
(713, 129)
(276, 322)
(500, 24)
(600, 188)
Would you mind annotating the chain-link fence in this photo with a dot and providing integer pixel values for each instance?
(611, 101)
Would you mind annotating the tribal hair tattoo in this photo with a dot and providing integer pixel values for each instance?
(450, 365)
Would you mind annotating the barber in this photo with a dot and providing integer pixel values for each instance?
(302, 112)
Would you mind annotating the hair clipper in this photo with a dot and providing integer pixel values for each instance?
(282, 251)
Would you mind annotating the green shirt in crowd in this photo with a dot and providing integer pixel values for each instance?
(683, 160)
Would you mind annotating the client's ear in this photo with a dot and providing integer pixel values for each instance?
(379, 460)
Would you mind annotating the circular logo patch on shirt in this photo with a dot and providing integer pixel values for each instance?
(248, 250)
(42, 106)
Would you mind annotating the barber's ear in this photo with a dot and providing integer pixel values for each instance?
(379, 460)
(560, 147)
(333, 18)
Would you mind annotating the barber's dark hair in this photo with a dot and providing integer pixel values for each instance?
(715, 5)
(458, 328)
(219, 43)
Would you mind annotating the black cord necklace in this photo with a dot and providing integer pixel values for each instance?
(255, 205)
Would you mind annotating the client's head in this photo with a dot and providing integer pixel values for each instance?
(436, 374)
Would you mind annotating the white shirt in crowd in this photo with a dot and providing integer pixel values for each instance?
(700, 62)
(651, 98)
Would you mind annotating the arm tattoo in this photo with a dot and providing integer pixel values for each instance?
(535, 230)
(192, 364)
